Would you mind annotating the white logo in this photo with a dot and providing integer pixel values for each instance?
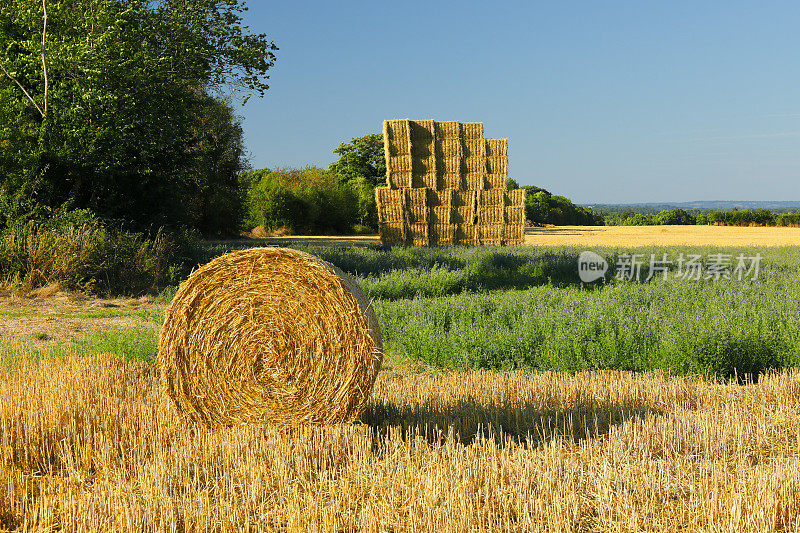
(591, 267)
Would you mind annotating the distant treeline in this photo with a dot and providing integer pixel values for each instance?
(542, 207)
(733, 217)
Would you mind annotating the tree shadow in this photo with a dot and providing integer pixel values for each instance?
(521, 423)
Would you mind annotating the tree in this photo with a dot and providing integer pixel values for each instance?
(362, 157)
(512, 184)
(674, 217)
(544, 208)
(308, 200)
(106, 114)
(362, 165)
(215, 196)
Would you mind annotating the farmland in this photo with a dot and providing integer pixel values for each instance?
(619, 236)
(513, 397)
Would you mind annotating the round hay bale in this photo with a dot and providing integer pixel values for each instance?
(269, 336)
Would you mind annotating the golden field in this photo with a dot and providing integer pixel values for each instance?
(92, 444)
(635, 236)
(611, 236)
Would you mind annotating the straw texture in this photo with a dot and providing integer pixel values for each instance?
(491, 214)
(447, 130)
(422, 131)
(417, 205)
(513, 234)
(497, 165)
(472, 130)
(269, 336)
(418, 234)
(396, 136)
(474, 181)
(439, 214)
(515, 215)
(467, 234)
(450, 180)
(393, 232)
(398, 180)
(399, 163)
(497, 148)
(441, 234)
(515, 197)
(448, 147)
(496, 181)
(492, 234)
(426, 158)
(492, 197)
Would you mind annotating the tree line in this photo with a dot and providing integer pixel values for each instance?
(732, 217)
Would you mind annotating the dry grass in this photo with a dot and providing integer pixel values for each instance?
(92, 444)
(49, 316)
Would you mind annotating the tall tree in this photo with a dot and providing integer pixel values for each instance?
(362, 165)
(105, 113)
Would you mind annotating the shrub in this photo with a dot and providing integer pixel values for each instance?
(77, 251)
(305, 200)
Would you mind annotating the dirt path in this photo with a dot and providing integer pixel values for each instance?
(49, 317)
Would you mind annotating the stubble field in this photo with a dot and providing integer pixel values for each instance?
(465, 431)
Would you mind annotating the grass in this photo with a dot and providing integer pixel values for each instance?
(678, 326)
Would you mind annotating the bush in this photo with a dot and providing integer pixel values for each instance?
(77, 251)
(305, 200)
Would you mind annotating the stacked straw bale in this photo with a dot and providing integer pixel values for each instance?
(269, 336)
(447, 184)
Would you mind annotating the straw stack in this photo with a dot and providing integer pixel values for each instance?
(455, 159)
(423, 170)
(397, 151)
(269, 336)
(441, 234)
(416, 201)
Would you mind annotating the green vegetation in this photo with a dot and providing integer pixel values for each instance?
(678, 326)
(541, 207)
(491, 308)
(466, 308)
(120, 116)
(80, 252)
(310, 200)
(362, 166)
(733, 217)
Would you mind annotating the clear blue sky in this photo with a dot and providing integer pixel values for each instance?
(602, 102)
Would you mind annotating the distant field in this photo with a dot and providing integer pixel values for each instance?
(610, 236)
(663, 236)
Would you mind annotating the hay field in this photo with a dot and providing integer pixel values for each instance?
(606, 236)
(91, 444)
(636, 236)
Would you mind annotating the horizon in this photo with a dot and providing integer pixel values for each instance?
(628, 103)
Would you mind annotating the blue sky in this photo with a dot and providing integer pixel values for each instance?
(602, 102)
